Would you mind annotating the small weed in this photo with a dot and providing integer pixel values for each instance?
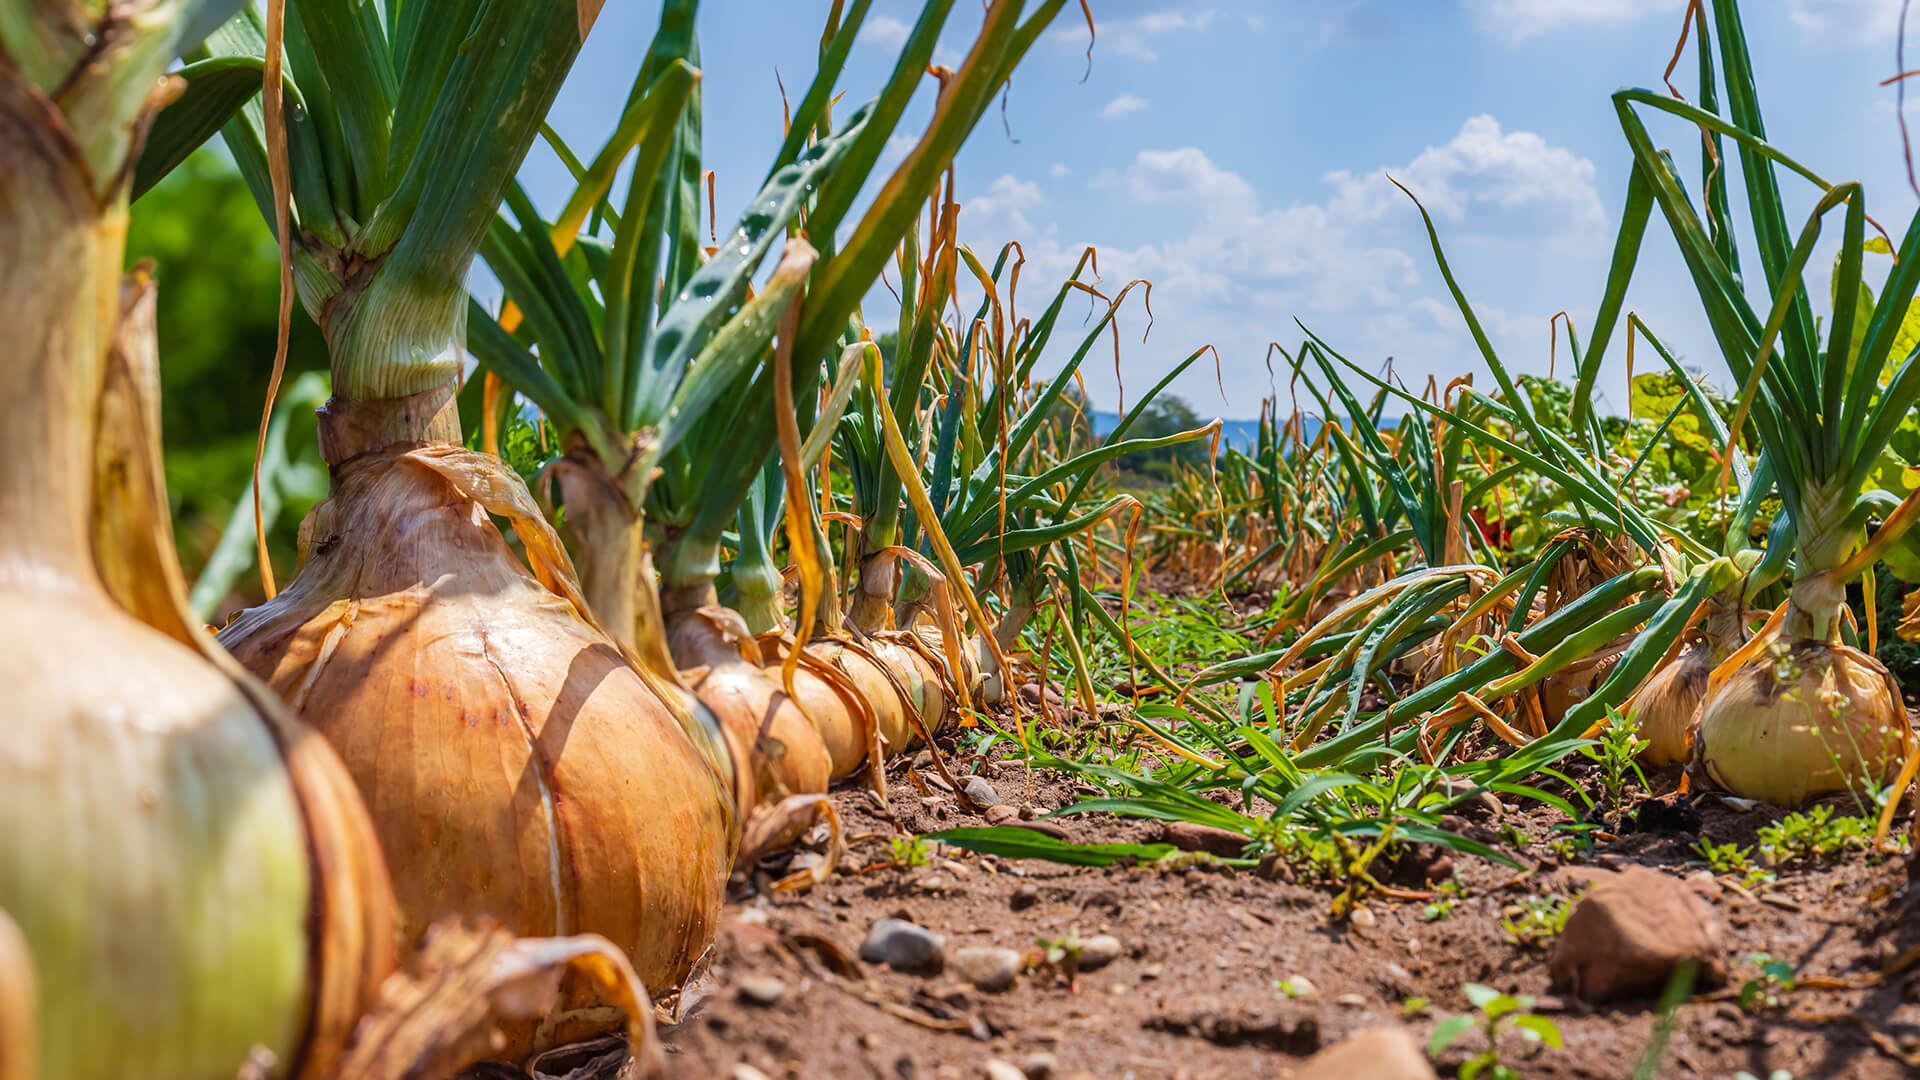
(1616, 752)
(1765, 990)
(909, 851)
(1494, 1013)
(1061, 954)
(1539, 919)
(1441, 909)
(1731, 858)
(1815, 834)
(1413, 1007)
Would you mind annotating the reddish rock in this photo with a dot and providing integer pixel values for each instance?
(1374, 1054)
(1190, 837)
(1630, 933)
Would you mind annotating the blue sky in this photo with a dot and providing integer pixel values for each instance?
(1234, 154)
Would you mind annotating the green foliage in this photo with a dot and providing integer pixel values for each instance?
(1814, 835)
(1494, 1014)
(1537, 920)
(909, 850)
(219, 287)
(1766, 989)
(1616, 752)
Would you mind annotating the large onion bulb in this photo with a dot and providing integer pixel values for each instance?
(516, 764)
(1803, 717)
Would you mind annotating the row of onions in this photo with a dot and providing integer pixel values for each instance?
(1726, 639)
(430, 720)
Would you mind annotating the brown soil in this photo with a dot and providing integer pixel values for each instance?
(1193, 993)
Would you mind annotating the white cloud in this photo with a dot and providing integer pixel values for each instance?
(1848, 22)
(895, 151)
(1059, 170)
(885, 31)
(1232, 268)
(1122, 105)
(1518, 20)
(997, 216)
(1133, 36)
(1481, 163)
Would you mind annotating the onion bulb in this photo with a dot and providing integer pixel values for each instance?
(1801, 718)
(516, 764)
(1667, 703)
(188, 866)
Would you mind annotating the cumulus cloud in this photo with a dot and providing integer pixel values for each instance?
(998, 215)
(1517, 20)
(1133, 36)
(1059, 170)
(1481, 163)
(885, 31)
(1847, 22)
(1122, 105)
(1233, 267)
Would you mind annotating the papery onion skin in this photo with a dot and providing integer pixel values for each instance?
(515, 764)
(1668, 704)
(1803, 719)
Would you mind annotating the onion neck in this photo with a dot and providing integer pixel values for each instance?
(392, 337)
(1824, 538)
(60, 258)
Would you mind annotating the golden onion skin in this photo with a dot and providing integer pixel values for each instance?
(782, 752)
(1805, 718)
(838, 721)
(516, 766)
(883, 699)
(1668, 703)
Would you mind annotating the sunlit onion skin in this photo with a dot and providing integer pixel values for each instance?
(1668, 704)
(187, 866)
(718, 659)
(1805, 717)
(515, 764)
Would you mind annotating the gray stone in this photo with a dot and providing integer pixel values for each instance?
(903, 946)
(981, 792)
(988, 967)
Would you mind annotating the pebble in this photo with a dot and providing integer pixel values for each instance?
(744, 1071)
(1001, 814)
(1000, 1070)
(761, 989)
(903, 946)
(1298, 986)
(981, 792)
(1187, 836)
(1099, 951)
(1040, 1066)
(1351, 1001)
(1024, 897)
(1363, 919)
(987, 967)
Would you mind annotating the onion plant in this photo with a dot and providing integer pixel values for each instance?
(446, 667)
(669, 378)
(1796, 711)
(190, 872)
